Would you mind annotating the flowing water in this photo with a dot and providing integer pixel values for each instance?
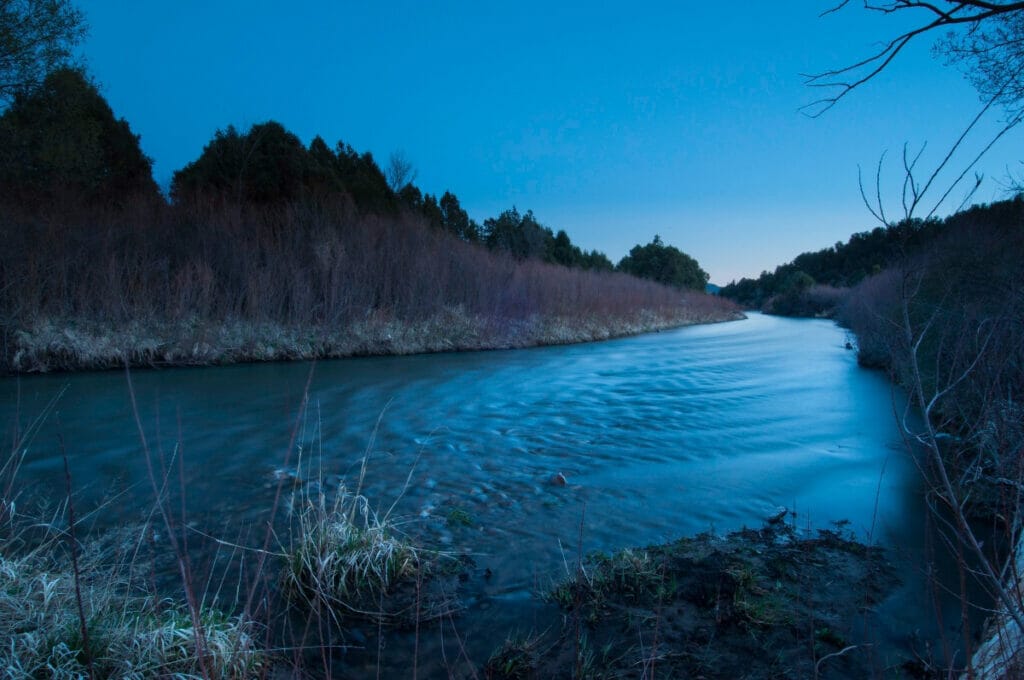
(658, 436)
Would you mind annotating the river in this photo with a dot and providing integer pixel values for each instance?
(658, 436)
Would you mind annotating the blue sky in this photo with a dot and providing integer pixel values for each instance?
(611, 121)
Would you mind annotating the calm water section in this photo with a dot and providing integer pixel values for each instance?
(659, 436)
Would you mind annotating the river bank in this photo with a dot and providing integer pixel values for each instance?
(753, 604)
(48, 345)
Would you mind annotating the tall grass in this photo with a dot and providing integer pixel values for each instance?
(97, 617)
(75, 605)
(80, 605)
(346, 555)
(219, 282)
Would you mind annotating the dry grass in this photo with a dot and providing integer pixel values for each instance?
(72, 344)
(346, 555)
(131, 633)
(74, 606)
(218, 285)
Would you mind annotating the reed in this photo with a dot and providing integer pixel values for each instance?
(346, 554)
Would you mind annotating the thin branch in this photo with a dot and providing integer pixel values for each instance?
(962, 13)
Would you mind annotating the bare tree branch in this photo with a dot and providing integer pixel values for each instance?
(36, 36)
(937, 16)
(400, 171)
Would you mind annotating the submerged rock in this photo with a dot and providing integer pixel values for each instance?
(778, 516)
(557, 479)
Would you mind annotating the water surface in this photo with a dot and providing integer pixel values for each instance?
(659, 436)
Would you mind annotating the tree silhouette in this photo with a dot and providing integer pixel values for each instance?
(36, 36)
(521, 236)
(62, 143)
(265, 165)
(456, 220)
(400, 171)
(664, 264)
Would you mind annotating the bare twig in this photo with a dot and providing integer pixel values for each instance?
(938, 16)
(73, 540)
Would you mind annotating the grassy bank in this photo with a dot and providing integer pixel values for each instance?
(208, 284)
(86, 607)
(76, 344)
(767, 603)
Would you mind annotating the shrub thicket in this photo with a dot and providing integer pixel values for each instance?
(318, 268)
(953, 314)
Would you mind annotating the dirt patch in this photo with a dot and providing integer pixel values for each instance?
(761, 603)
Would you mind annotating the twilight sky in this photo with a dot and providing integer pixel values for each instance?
(611, 121)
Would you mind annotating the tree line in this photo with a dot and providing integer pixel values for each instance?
(262, 229)
(62, 145)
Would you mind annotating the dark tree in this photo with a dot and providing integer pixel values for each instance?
(562, 251)
(324, 178)
(268, 164)
(521, 236)
(265, 165)
(364, 181)
(61, 143)
(456, 220)
(664, 264)
(400, 171)
(411, 197)
(432, 212)
(36, 36)
(596, 260)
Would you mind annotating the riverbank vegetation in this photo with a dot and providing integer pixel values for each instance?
(171, 286)
(817, 283)
(274, 250)
(946, 322)
(75, 604)
(757, 603)
(95, 619)
(939, 304)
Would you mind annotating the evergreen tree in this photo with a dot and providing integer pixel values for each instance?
(267, 164)
(664, 264)
(521, 236)
(62, 143)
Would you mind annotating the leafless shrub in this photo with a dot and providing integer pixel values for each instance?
(217, 282)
